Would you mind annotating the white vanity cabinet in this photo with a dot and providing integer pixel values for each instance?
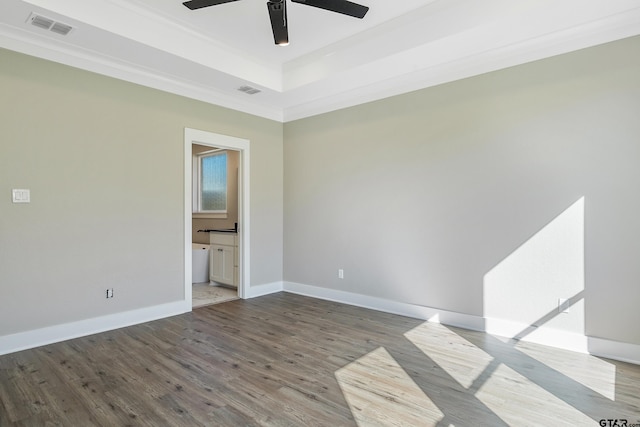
(223, 262)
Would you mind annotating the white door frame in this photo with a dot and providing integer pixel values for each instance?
(200, 137)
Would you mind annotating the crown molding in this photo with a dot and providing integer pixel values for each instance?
(461, 54)
(42, 47)
(388, 77)
(137, 23)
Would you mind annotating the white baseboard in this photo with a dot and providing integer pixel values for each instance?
(616, 350)
(51, 334)
(540, 335)
(504, 328)
(265, 289)
(625, 352)
(404, 309)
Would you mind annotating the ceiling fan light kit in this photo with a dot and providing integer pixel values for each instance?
(278, 12)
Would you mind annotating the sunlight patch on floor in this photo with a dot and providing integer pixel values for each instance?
(526, 403)
(457, 356)
(591, 372)
(380, 393)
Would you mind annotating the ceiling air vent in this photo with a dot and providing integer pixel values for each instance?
(41, 21)
(60, 28)
(49, 24)
(249, 90)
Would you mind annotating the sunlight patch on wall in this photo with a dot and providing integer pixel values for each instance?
(526, 403)
(380, 393)
(458, 357)
(530, 283)
(590, 371)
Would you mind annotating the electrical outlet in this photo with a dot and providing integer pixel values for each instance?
(563, 305)
(340, 273)
(110, 293)
(21, 196)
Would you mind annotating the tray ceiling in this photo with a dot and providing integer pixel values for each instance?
(332, 62)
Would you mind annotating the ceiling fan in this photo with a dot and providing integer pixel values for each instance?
(278, 12)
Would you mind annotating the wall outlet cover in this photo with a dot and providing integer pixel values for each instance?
(21, 195)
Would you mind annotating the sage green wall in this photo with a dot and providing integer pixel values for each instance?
(418, 197)
(104, 161)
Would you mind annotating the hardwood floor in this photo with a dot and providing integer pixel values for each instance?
(288, 360)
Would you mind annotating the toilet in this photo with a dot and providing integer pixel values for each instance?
(200, 263)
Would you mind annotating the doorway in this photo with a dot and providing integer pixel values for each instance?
(214, 140)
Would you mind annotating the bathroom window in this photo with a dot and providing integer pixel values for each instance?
(210, 183)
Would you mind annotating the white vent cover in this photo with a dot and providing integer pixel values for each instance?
(61, 28)
(49, 24)
(249, 90)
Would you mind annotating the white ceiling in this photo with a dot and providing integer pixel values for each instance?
(333, 61)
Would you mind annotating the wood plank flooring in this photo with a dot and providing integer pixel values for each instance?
(289, 360)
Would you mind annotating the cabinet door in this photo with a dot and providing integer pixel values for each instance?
(222, 268)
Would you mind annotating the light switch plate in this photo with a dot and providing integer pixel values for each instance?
(21, 196)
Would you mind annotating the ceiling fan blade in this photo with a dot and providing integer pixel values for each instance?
(340, 6)
(199, 4)
(278, 16)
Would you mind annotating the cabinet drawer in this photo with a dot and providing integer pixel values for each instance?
(222, 239)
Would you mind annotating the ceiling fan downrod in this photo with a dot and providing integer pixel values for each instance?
(278, 12)
(278, 15)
